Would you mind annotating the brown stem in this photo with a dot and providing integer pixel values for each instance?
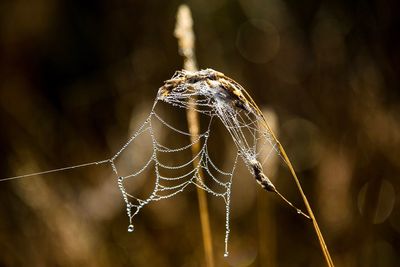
(282, 151)
(184, 34)
(321, 240)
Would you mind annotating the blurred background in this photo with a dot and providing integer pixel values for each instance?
(78, 77)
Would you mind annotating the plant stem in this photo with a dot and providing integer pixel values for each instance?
(184, 34)
(282, 151)
(321, 240)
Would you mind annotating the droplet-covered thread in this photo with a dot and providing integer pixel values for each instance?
(213, 99)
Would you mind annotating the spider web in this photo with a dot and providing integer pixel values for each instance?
(218, 98)
(213, 101)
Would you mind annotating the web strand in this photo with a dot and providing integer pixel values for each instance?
(56, 170)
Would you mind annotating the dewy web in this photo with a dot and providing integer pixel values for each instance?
(217, 97)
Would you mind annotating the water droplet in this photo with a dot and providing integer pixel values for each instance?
(298, 211)
(226, 254)
(206, 134)
(131, 228)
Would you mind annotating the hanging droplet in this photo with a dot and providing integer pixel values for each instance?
(226, 254)
(206, 134)
(131, 228)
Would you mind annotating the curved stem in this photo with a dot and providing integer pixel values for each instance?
(321, 240)
(282, 151)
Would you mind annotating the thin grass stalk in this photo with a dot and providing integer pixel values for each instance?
(321, 240)
(282, 152)
(185, 35)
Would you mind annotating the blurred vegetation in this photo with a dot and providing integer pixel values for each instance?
(76, 78)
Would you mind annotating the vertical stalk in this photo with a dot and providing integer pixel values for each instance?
(184, 34)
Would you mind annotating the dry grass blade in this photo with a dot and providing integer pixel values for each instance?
(184, 34)
(282, 151)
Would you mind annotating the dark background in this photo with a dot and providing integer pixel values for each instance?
(76, 78)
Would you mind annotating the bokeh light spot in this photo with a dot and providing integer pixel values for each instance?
(384, 201)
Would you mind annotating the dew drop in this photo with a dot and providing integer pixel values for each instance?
(226, 254)
(298, 211)
(206, 134)
(131, 228)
